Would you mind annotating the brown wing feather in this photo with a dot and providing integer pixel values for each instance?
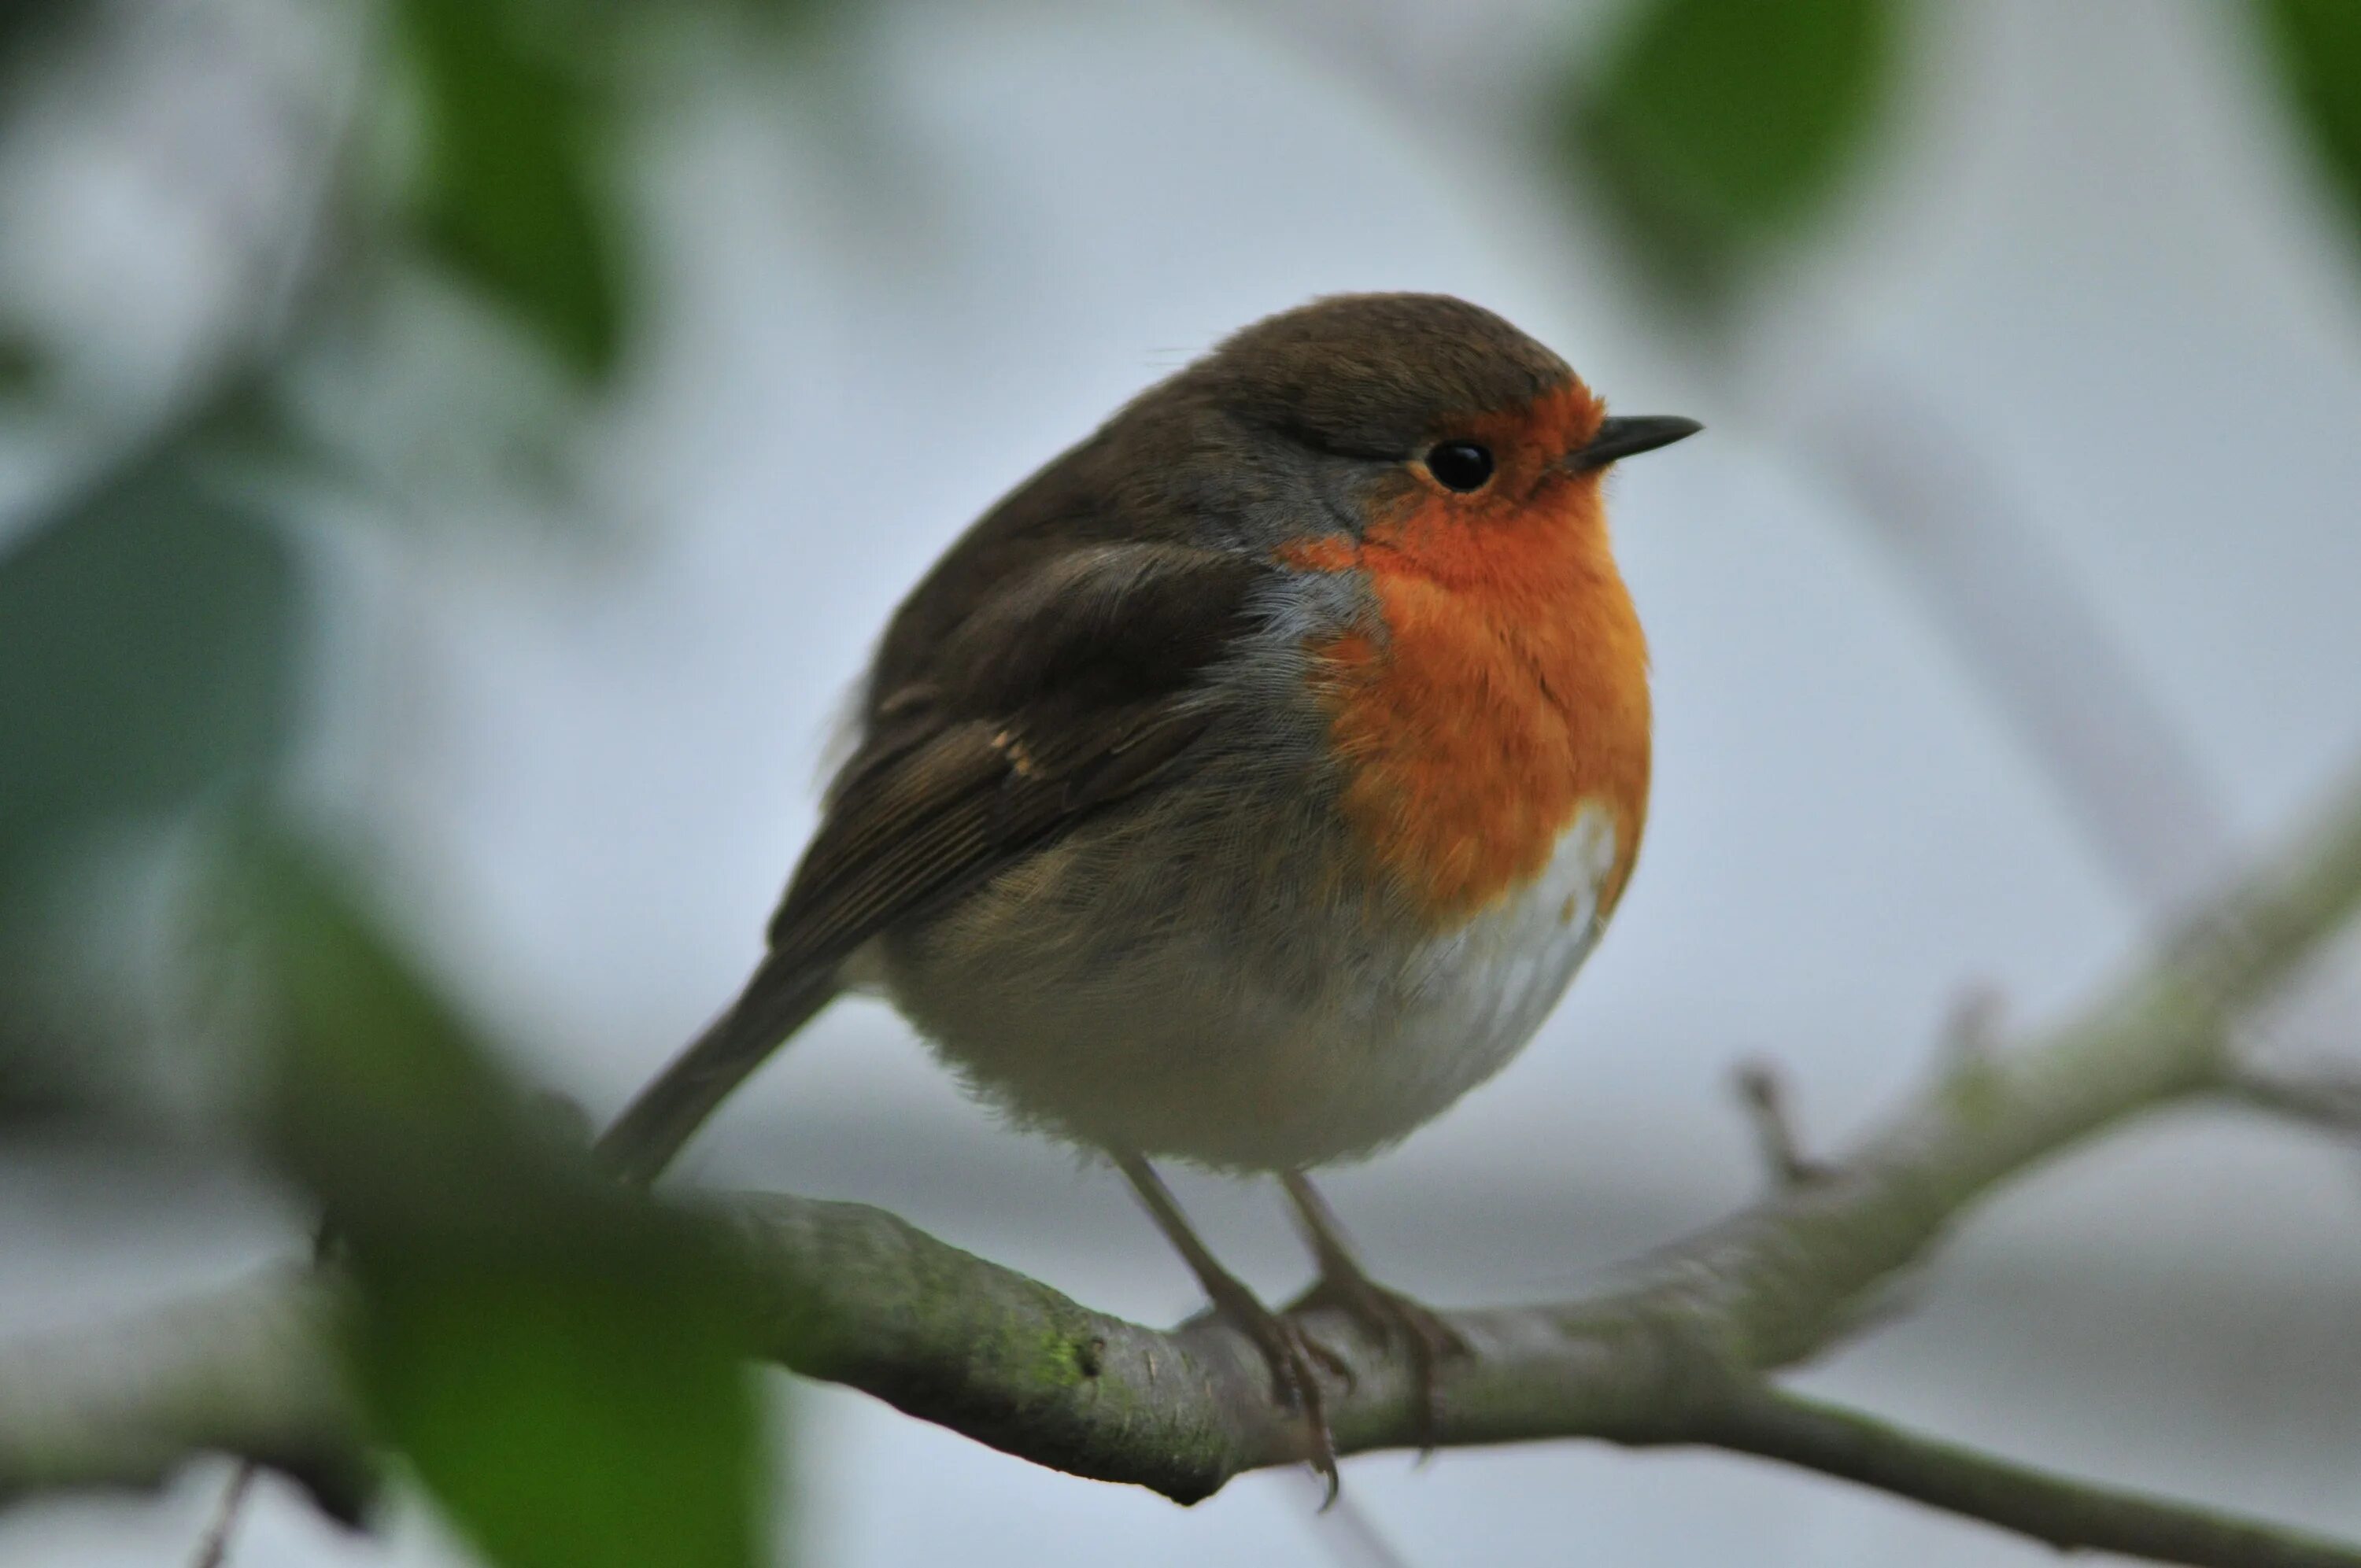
(1073, 688)
(1077, 683)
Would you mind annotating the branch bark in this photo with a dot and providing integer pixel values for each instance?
(1678, 1353)
(2072, 1516)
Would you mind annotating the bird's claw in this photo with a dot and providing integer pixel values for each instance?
(1393, 1319)
(1290, 1353)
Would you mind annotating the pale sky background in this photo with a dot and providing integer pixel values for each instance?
(889, 289)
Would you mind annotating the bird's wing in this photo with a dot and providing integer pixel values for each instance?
(1073, 686)
(1066, 686)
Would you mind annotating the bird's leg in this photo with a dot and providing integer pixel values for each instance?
(1392, 1317)
(1288, 1350)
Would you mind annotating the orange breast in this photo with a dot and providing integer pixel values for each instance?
(1508, 689)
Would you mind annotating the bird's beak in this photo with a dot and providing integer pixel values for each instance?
(1628, 437)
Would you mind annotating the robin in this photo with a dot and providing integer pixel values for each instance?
(1248, 784)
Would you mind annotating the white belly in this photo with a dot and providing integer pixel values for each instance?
(1181, 1047)
(1470, 1001)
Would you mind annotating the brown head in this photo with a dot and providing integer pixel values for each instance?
(1500, 689)
(1388, 398)
(1326, 420)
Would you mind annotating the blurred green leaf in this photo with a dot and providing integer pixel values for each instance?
(379, 1089)
(566, 1403)
(27, 25)
(23, 366)
(511, 194)
(2316, 44)
(148, 658)
(1717, 130)
(559, 1359)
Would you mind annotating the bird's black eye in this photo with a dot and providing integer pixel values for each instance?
(1460, 466)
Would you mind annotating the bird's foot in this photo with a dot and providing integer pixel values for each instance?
(1290, 1353)
(1394, 1320)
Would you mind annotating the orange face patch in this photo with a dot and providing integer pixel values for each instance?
(1510, 686)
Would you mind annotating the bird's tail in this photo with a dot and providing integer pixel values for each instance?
(780, 999)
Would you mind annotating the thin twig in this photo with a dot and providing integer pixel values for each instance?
(1762, 1091)
(2327, 1099)
(2071, 1515)
(1971, 1033)
(212, 1547)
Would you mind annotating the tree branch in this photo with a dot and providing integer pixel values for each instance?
(253, 1371)
(1675, 1355)
(2072, 1516)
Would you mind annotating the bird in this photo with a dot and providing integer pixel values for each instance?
(1246, 785)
